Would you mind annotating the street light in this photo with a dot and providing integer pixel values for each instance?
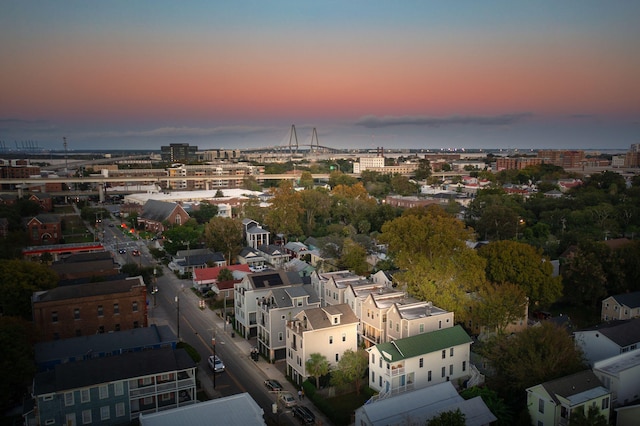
(213, 343)
(178, 314)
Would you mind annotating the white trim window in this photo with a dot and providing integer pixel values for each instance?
(120, 409)
(86, 417)
(118, 389)
(105, 412)
(68, 399)
(104, 391)
(85, 395)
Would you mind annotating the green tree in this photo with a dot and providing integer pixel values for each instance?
(424, 170)
(316, 204)
(224, 234)
(317, 366)
(494, 403)
(354, 257)
(17, 337)
(181, 237)
(252, 209)
(523, 265)
(205, 212)
(306, 180)
(593, 417)
(448, 418)
(225, 275)
(402, 185)
(19, 279)
(285, 214)
(547, 351)
(351, 369)
(439, 266)
(500, 305)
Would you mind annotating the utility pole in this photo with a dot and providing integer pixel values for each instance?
(178, 314)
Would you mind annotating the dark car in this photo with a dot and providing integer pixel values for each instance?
(122, 251)
(303, 414)
(273, 385)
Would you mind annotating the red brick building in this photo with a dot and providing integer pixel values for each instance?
(44, 229)
(84, 309)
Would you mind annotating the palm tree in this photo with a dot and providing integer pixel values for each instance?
(317, 365)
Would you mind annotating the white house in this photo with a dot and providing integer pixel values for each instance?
(621, 375)
(329, 331)
(410, 319)
(609, 339)
(419, 406)
(373, 314)
(419, 361)
(552, 403)
(274, 310)
(251, 290)
(331, 286)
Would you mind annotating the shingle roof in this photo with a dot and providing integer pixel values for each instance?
(424, 343)
(157, 210)
(75, 375)
(631, 300)
(89, 289)
(572, 385)
(318, 318)
(623, 333)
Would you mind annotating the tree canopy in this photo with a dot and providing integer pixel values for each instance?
(317, 366)
(19, 279)
(224, 234)
(350, 370)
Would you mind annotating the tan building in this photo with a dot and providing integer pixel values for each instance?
(83, 309)
(621, 307)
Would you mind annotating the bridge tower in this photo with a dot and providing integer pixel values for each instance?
(314, 136)
(293, 136)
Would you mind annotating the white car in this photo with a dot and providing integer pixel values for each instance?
(216, 364)
(287, 399)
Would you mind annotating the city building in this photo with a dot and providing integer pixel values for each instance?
(156, 213)
(113, 390)
(84, 309)
(44, 229)
(621, 307)
(328, 331)
(608, 339)
(621, 375)
(274, 310)
(179, 152)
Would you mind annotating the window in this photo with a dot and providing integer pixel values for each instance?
(116, 309)
(116, 327)
(335, 320)
(136, 324)
(444, 354)
(336, 357)
(47, 398)
(439, 324)
(134, 306)
(421, 328)
(605, 403)
(390, 325)
(78, 332)
(50, 422)
(344, 337)
(331, 340)
(429, 376)
(380, 362)
(100, 310)
(76, 313)
(373, 358)
(380, 381)
(444, 371)
(148, 400)
(421, 362)
(104, 391)
(397, 327)
(70, 419)
(541, 405)
(85, 395)
(86, 417)
(54, 316)
(280, 336)
(68, 399)
(451, 369)
(373, 377)
(451, 352)
(464, 365)
(105, 413)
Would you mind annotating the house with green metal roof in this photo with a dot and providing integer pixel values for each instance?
(420, 361)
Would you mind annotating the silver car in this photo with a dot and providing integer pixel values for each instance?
(216, 364)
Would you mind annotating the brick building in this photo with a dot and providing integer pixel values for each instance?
(84, 309)
(45, 228)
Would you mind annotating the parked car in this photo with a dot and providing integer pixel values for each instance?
(216, 364)
(303, 414)
(135, 252)
(273, 385)
(122, 251)
(287, 399)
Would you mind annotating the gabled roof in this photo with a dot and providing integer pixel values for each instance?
(631, 300)
(272, 250)
(249, 252)
(424, 343)
(578, 387)
(623, 332)
(269, 279)
(46, 218)
(158, 210)
(204, 274)
(318, 318)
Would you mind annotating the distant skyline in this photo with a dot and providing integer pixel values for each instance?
(121, 75)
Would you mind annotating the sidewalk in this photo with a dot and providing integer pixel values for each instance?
(275, 371)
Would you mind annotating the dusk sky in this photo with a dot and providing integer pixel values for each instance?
(125, 75)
